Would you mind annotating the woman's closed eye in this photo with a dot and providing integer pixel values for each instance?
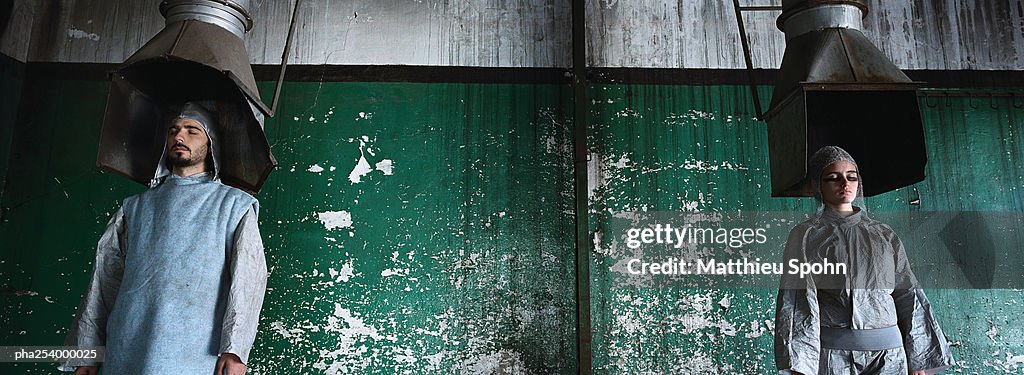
(837, 178)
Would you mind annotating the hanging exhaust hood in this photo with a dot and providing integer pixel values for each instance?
(836, 88)
(199, 56)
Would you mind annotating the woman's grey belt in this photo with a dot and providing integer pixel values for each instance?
(861, 339)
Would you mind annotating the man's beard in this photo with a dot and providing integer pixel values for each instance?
(194, 157)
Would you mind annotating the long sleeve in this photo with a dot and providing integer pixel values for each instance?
(248, 285)
(923, 341)
(89, 328)
(797, 344)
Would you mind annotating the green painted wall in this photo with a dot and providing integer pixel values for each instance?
(685, 148)
(461, 259)
(457, 257)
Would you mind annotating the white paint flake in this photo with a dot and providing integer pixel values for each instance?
(347, 271)
(726, 327)
(628, 112)
(725, 303)
(394, 272)
(343, 275)
(350, 326)
(597, 177)
(705, 165)
(501, 362)
(279, 328)
(756, 330)
(293, 335)
(695, 114)
(597, 243)
(1010, 363)
(1014, 360)
(603, 169)
(434, 360)
(550, 144)
(385, 166)
(362, 167)
(345, 358)
(315, 168)
(993, 330)
(335, 219)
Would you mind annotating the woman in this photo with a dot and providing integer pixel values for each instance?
(873, 320)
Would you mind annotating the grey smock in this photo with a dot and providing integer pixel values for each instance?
(873, 320)
(179, 279)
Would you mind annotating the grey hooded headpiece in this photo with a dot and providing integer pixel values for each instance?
(823, 158)
(198, 113)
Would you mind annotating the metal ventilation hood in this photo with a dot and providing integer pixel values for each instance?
(198, 56)
(836, 88)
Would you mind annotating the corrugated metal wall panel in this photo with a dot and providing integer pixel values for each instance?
(679, 148)
(922, 34)
(394, 32)
(939, 35)
(410, 228)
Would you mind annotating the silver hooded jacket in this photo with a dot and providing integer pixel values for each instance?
(878, 291)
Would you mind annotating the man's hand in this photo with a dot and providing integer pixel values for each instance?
(86, 370)
(228, 364)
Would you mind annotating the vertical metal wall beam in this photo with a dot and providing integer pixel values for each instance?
(746, 51)
(584, 340)
(284, 58)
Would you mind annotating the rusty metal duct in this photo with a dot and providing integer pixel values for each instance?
(836, 88)
(198, 56)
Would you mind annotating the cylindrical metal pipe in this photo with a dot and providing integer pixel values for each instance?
(832, 16)
(803, 16)
(232, 15)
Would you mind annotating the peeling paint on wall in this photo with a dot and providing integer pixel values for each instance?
(501, 362)
(1006, 363)
(335, 219)
(352, 330)
(385, 166)
(440, 253)
(362, 167)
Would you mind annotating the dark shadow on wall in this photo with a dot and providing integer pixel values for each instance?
(971, 245)
(5, 15)
(12, 74)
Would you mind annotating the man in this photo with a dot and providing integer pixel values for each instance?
(180, 272)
